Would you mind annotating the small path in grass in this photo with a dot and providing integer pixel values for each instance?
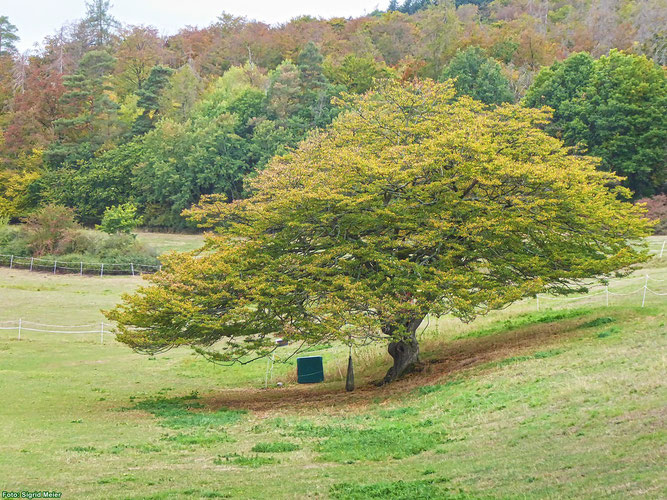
(449, 359)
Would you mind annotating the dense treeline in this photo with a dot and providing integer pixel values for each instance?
(104, 114)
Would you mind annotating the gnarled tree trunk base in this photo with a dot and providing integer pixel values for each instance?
(406, 356)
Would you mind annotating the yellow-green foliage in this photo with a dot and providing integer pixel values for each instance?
(414, 201)
(14, 185)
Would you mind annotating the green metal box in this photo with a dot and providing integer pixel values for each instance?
(310, 370)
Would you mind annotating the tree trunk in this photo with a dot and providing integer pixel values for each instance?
(405, 353)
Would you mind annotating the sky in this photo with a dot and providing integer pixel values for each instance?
(36, 19)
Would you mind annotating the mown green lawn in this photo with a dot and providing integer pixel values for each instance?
(567, 402)
(164, 242)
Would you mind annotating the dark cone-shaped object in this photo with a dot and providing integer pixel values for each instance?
(349, 382)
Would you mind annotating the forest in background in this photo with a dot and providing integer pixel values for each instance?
(104, 114)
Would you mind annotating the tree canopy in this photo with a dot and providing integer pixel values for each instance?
(413, 202)
(614, 108)
(99, 23)
(478, 76)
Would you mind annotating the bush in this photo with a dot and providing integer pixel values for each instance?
(11, 242)
(79, 245)
(120, 248)
(46, 229)
(78, 242)
(8, 234)
(120, 219)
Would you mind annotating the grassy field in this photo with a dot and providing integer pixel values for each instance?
(565, 402)
(162, 242)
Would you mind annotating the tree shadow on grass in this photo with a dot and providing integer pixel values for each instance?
(441, 361)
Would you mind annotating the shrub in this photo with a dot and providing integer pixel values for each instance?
(11, 242)
(78, 242)
(48, 227)
(52, 233)
(122, 248)
(120, 219)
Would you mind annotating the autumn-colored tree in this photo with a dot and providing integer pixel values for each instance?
(440, 33)
(180, 94)
(95, 86)
(357, 74)
(283, 93)
(6, 84)
(34, 111)
(137, 54)
(15, 199)
(412, 203)
(657, 211)
(392, 36)
(299, 95)
(47, 227)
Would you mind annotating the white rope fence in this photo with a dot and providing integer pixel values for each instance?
(100, 268)
(80, 268)
(606, 292)
(20, 325)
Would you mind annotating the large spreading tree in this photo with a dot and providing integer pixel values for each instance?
(412, 203)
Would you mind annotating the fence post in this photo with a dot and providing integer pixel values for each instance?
(645, 287)
(55, 263)
(607, 293)
(132, 267)
(102, 333)
(81, 269)
(32, 259)
(102, 270)
(663, 248)
(20, 320)
(11, 262)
